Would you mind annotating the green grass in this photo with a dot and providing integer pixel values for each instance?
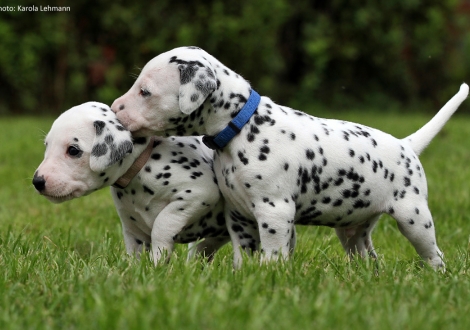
(64, 266)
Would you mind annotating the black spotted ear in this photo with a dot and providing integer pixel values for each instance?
(111, 144)
(198, 81)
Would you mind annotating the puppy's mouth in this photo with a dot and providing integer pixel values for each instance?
(125, 120)
(58, 198)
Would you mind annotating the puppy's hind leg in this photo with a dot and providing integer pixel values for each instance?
(358, 240)
(293, 241)
(207, 247)
(243, 234)
(416, 224)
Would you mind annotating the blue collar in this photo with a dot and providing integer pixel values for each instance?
(235, 125)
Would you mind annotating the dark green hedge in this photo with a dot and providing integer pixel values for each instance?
(334, 53)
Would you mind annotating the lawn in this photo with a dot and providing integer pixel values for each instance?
(64, 266)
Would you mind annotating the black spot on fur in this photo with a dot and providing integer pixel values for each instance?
(326, 200)
(338, 202)
(99, 150)
(407, 181)
(148, 190)
(310, 154)
(99, 126)
(140, 140)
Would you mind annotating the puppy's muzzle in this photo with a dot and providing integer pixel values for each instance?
(116, 107)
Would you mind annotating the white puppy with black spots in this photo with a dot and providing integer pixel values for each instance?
(285, 167)
(170, 194)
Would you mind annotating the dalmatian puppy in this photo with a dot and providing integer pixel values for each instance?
(280, 166)
(173, 197)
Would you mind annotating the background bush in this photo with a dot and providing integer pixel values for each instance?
(336, 53)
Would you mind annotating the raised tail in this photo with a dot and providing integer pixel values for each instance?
(420, 139)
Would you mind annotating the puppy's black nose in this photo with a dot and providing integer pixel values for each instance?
(39, 182)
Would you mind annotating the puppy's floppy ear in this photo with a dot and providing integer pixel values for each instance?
(111, 144)
(198, 81)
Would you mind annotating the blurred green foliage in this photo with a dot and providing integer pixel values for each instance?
(333, 53)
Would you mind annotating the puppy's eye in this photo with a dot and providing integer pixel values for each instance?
(144, 92)
(74, 151)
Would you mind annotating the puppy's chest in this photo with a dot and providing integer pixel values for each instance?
(142, 202)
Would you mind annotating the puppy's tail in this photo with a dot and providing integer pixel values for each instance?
(422, 137)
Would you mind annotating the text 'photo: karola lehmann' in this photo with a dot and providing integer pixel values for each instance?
(34, 8)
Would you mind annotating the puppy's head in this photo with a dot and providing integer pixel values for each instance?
(170, 86)
(82, 146)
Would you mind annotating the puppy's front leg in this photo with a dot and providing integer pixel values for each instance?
(134, 239)
(170, 222)
(134, 246)
(276, 229)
